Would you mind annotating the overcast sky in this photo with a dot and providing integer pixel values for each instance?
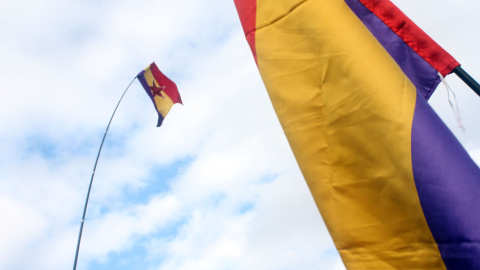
(216, 187)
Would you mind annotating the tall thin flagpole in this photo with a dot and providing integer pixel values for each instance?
(93, 174)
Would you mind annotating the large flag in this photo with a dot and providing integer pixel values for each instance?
(162, 91)
(394, 186)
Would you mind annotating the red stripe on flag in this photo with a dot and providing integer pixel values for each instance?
(247, 11)
(170, 87)
(409, 32)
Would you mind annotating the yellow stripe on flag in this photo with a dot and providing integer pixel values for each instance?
(347, 110)
(164, 104)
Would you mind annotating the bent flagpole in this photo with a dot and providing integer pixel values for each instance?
(164, 94)
(93, 175)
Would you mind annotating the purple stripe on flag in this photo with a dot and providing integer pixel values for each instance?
(143, 82)
(448, 185)
(420, 72)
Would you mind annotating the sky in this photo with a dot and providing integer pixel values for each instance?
(216, 187)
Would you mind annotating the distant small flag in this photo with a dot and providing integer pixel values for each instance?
(162, 91)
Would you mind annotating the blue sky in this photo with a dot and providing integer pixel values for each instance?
(216, 187)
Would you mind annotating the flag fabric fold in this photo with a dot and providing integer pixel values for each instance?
(394, 186)
(162, 91)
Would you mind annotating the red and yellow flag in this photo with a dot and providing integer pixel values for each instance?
(162, 91)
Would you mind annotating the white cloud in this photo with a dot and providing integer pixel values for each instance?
(22, 229)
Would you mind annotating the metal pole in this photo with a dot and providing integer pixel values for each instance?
(91, 180)
(467, 79)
